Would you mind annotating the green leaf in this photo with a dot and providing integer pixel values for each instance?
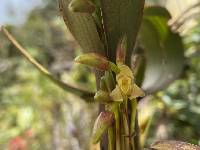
(173, 145)
(163, 50)
(157, 11)
(159, 16)
(82, 27)
(174, 60)
(150, 42)
(121, 18)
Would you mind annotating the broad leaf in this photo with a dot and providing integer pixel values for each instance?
(163, 50)
(159, 17)
(153, 54)
(157, 11)
(121, 18)
(82, 27)
(173, 145)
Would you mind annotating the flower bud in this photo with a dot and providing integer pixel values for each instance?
(102, 123)
(94, 60)
(82, 6)
(102, 97)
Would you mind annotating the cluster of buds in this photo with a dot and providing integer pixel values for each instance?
(112, 91)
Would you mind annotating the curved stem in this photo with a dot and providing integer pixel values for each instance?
(87, 95)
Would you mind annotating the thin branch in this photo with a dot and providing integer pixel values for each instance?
(184, 13)
(185, 20)
(86, 95)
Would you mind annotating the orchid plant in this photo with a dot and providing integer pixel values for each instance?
(107, 31)
(116, 94)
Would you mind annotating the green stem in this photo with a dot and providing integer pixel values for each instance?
(126, 124)
(132, 125)
(123, 145)
(118, 133)
(111, 139)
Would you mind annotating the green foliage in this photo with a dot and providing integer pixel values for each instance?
(121, 18)
(82, 27)
(32, 102)
(163, 50)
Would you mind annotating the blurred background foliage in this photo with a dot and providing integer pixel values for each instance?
(37, 114)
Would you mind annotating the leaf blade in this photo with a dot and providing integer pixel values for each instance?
(163, 49)
(82, 27)
(121, 18)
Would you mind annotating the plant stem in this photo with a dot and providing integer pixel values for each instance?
(126, 124)
(117, 125)
(133, 121)
(111, 139)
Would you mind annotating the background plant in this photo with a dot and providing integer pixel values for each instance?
(142, 47)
